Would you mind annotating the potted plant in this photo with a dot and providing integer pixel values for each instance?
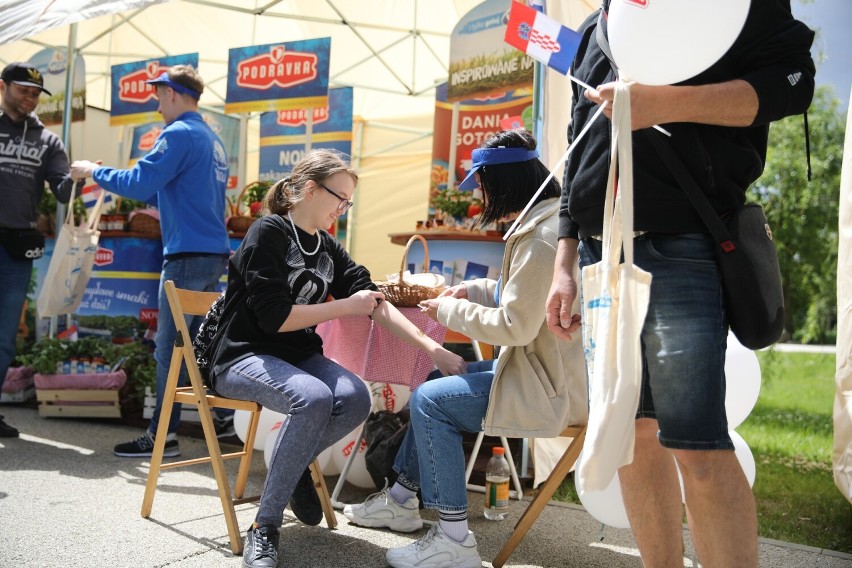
(455, 203)
(46, 207)
(253, 194)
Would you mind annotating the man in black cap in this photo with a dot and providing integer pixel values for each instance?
(30, 155)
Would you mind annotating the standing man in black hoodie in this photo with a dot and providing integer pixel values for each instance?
(30, 155)
(719, 124)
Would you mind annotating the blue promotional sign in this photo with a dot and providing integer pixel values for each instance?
(283, 133)
(133, 100)
(278, 76)
(53, 65)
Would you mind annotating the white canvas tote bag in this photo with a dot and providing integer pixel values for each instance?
(71, 264)
(615, 302)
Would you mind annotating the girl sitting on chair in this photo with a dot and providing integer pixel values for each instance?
(535, 388)
(267, 349)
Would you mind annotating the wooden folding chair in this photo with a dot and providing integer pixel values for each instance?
(189, 303)
(548, 488)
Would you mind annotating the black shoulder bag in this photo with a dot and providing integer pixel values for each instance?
(751, 278)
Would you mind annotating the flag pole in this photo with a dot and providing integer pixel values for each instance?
(552, 170)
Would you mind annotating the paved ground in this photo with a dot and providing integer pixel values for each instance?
(66, 501)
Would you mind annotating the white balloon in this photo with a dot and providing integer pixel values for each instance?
(662, 42)
(742, 382)
(241, 420)
(606, 506)
(744, 456)
(326, 462)
(389, 397)
(268, 418)
(358, 474)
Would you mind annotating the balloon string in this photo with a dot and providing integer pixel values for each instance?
(553, 170)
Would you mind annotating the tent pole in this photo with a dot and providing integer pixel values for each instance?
(243, 151)
(454, 134)
(70, 56)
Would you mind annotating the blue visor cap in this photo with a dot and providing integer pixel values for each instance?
(493, 156)
(163, 79)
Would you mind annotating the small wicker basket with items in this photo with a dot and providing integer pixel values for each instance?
(252, 197)
(406, 290)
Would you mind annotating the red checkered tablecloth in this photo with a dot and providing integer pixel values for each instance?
(374, 353)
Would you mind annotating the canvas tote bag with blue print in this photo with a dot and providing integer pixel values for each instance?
(71, 264)
(615, 302)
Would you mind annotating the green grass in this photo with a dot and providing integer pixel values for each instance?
(790, 434)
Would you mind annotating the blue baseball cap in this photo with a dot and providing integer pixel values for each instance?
(164, 79)
(493, 156)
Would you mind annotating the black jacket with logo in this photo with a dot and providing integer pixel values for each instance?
(772, 53)
(30, 155)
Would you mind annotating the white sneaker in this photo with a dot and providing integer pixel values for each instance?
(436, 550)
(382, 510)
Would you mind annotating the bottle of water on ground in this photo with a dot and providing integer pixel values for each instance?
(497, 486)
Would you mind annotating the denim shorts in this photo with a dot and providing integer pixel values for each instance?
(683, 340)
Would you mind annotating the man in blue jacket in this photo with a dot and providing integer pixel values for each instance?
(719, 124)
(187, 172)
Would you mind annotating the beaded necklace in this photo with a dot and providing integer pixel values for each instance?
(299, 243)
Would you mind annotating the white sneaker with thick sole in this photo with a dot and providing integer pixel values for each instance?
(436, 550)
(382, 510)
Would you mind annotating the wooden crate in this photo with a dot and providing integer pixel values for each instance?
(90, 403)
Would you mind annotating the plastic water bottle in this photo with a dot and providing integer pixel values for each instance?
(497, 486)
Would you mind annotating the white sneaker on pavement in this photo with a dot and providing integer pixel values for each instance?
(382, 510)
(436, 550)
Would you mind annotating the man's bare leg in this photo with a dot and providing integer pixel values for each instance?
(652, 497)
(720, 508)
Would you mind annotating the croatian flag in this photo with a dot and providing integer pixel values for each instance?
(542, 38)
(90, 193)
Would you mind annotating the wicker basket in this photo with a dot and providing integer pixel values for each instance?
(241, 221)
(141, 222)
(404, 294)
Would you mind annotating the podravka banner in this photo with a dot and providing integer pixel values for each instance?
(133, 100)
(481, 63)
(283, 134)
(278, 76)
(479, 119)
(53, 65)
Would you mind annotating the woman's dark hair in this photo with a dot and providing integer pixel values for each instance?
(317, 165)
(508, 187)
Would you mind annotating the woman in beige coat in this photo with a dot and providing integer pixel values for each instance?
(535, 387)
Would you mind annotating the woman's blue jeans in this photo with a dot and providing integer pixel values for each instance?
(431, 456)
(323, 402)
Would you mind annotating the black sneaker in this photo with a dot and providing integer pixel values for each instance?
(305, 502)
(7, 431)
(261, 547)
(224, 426)
(142, 447)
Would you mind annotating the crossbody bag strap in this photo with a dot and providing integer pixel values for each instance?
(603, 42)
(693, 191)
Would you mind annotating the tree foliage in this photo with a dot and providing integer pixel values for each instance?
(804, 215)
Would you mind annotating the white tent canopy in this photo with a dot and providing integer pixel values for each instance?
(393, 52)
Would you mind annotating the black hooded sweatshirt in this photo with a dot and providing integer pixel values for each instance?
(772, 53)
(30, 155)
